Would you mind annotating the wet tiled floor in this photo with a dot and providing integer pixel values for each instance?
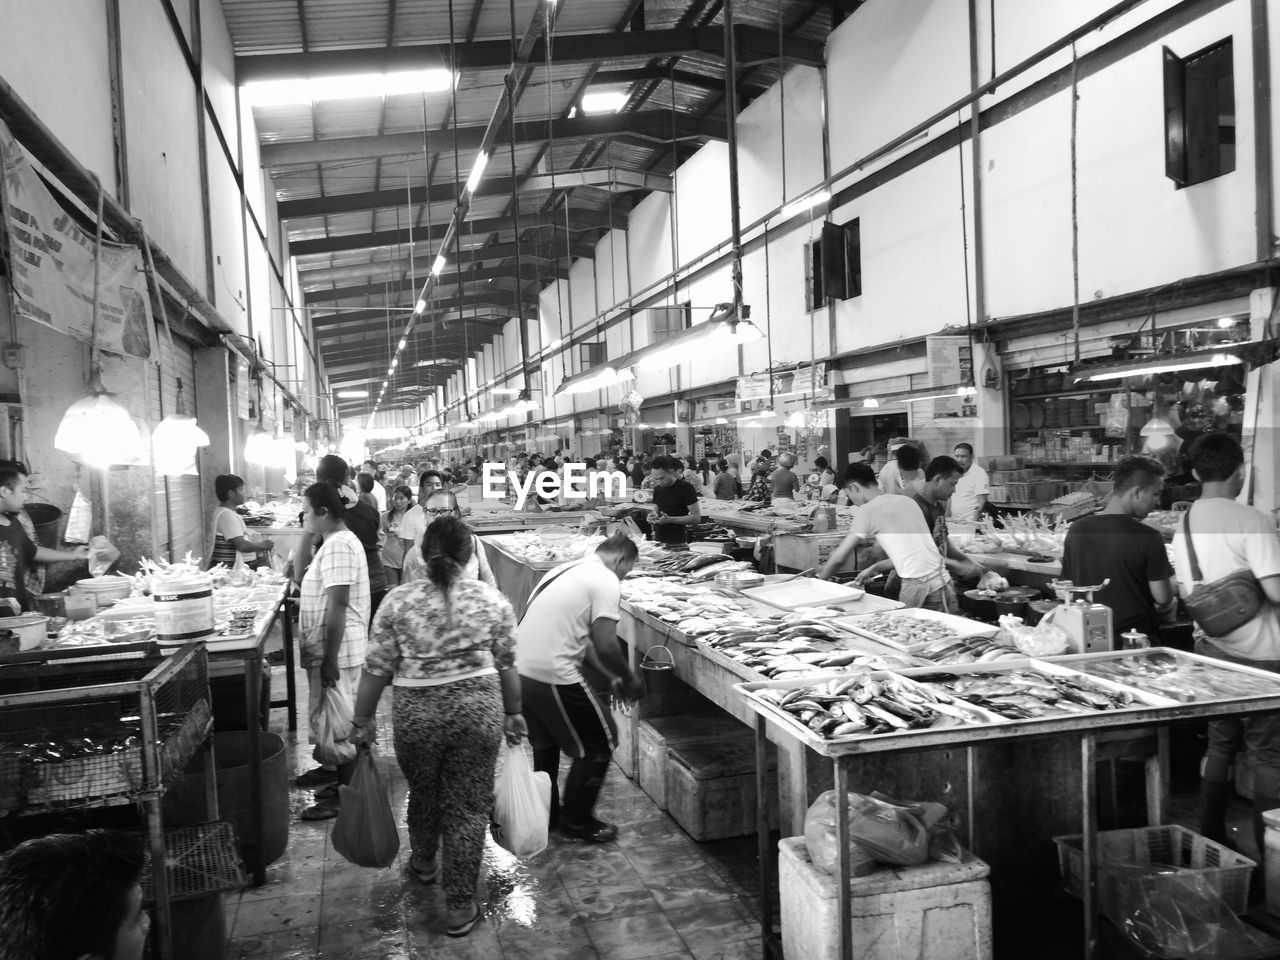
(652, 893)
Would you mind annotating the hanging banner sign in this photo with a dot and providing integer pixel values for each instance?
(807, 379)
(52, 263)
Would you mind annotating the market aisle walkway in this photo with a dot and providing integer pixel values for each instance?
(653, 893)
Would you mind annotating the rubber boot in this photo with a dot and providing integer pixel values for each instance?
(581, 789)
(548, 762)
(1214, 797)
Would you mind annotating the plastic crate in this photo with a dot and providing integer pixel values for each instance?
(201, 860)
(1119, 851)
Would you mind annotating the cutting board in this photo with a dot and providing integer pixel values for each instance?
(803, 593)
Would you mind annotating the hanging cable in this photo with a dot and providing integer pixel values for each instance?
(457, 234)
(551, 169)
(1075, 209)
(964, 237)
(522, 326)
(673, 201)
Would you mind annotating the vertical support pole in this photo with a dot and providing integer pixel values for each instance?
(844, 886)
(209, 765)
(253, 696)
(1158, 780)
(762, 833)
(731, 124)
(151, 786)
(975, 148)
(1262, 160)
(285, 613)
(971, 785)
(1089, 840)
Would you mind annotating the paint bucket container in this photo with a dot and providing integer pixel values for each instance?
(184, 610)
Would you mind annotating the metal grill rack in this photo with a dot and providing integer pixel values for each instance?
(80, 731)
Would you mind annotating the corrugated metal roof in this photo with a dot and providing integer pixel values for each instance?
(277, 26)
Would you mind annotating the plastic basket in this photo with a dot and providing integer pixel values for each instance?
(1121, 851)
(200, 860)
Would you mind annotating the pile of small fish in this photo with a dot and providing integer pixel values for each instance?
(1030, 694)
(794, 645)
(871, 704)
(932, 640)
(680, 563)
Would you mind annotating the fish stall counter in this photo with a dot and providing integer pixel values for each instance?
(701, 632)
(983, 716)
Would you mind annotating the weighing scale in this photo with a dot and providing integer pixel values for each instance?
(1088, 625)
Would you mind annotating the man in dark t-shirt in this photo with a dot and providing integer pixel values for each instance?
(940, 478)
(1115, 545)
(676, 502)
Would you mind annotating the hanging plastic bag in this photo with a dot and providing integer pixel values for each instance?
(331, 720)
(522, 805)
(79, 520)
(365, 831)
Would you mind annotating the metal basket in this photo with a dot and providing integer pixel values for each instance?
(112, 729)
(202, 859)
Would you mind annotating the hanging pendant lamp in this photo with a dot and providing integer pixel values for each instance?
(99, 430)
(96, 428)
(176, 439)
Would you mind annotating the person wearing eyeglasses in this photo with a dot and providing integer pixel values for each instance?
(437, 506)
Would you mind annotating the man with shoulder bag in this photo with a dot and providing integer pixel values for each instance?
(1227, 559)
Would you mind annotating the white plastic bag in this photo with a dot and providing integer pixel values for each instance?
(522, 805)
(79, 520)
(331, 721)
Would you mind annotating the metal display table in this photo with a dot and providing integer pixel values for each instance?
(247, 662)
(516, 578)
(773, 723)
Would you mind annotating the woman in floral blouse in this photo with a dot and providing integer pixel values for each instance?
(447, 645)
(760, 490)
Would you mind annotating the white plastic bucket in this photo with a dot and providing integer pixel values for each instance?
(30, 628)
(184, 610)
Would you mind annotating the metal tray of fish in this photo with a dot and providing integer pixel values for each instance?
(827, 710)
(1181, 676)
(1034, 690)
(932, 625)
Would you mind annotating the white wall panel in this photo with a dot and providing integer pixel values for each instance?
(54, 55)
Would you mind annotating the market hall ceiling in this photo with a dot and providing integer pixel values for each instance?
(358, 180)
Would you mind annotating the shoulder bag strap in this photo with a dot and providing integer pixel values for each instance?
(546, 582)
(1196, 575)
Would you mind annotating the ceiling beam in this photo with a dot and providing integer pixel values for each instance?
(699, 81)
(579, 220)
(496, 54)
(655, 123)
(369, 326)
(400, 268)
(529, 271)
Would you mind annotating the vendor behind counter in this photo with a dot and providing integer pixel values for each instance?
(18, 552)
(676, 501)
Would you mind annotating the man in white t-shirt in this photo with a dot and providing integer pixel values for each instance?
(898, 525)
(1227, 536)
(573, 613)
(379, 491)
(970, 498)
(415, 521)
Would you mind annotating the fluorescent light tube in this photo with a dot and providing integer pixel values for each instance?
(437, 267)
(477, 172)
(301, 90)
(603, 101)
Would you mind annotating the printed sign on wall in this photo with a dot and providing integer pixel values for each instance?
(52, 260)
